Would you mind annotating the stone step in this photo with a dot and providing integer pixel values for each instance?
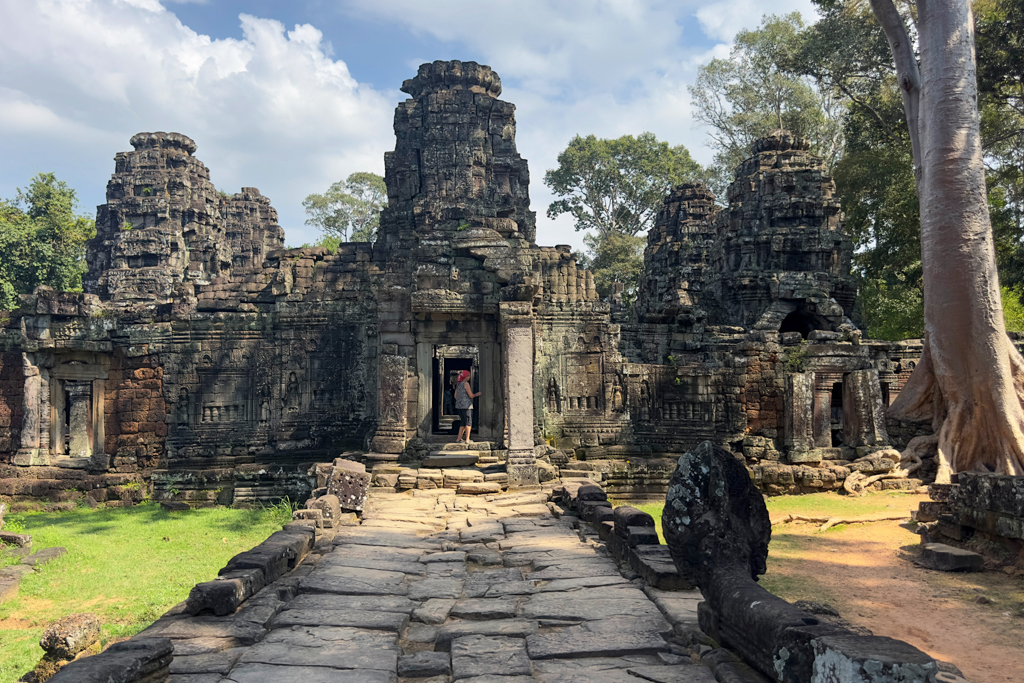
(472, 446)
(443, 459)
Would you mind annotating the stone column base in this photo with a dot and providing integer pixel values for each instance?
(26, 457)
(522, 469)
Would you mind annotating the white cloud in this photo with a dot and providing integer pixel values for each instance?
(270, 110)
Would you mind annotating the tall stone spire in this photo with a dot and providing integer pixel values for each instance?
(457, 188)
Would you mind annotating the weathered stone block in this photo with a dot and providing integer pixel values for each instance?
(947, 558)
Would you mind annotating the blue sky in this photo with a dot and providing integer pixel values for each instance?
(291, 96)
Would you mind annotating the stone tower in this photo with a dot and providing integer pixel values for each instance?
(782, 258)
(165, 224)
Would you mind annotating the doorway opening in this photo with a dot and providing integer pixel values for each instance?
(449, 361)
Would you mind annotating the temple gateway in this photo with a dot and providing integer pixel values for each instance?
(213, 364)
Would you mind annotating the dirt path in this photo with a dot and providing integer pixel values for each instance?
(865, 572)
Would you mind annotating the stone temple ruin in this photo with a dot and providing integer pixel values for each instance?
(214, 365)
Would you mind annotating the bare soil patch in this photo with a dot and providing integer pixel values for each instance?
(866, 572)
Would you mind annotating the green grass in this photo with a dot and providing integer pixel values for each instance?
(125, 565)
(816, 504)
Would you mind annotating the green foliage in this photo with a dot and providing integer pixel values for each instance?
(891, 311)
(1013, 308)
(328, 242)
(349, 210)
(42, 240)
(126, 565)
(616, 188)
(796, 358)
(750, 93)
(615, 258)
(617, 185)
(14, 524)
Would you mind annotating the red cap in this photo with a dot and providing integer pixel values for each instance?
(463, 375)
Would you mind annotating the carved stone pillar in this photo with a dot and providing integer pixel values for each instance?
(79, 419)
(863, 411)
(392, 395)
(799, 417)
(517, 326)
(822, 417)
(28, 451)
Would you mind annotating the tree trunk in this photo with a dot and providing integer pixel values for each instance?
(970, 379)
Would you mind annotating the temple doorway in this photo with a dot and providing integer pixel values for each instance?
(448, 362)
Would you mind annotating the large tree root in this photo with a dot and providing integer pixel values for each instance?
(829, 522)
(910, 461)
(978, 421)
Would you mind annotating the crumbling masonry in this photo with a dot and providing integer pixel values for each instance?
(210, 362)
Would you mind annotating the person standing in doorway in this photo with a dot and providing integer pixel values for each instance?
(464, 402)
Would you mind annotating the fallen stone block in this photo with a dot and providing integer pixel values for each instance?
(349, 485)
(20, 540)
(946, 558)
(330, 509)
(479, 488)
(310, 515)
(131, 661)
(386, 479)
(174, 506)
(66, 637)
(41, 557)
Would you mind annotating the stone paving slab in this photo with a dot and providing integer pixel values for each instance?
(578, 643)
(483, 655)
(354, 581)
(380, 603)
(326, 646)
(263, 673)
(356, 618)
(437, 588)
(207, 663)
(485, 608)
(440, 587)
(518, 628)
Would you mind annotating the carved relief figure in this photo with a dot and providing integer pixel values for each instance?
(181, 407)
(292, 396)
(554, 399)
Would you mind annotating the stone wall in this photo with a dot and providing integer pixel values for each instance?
(12, 384)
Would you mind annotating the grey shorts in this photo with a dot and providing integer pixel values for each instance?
(466, 415)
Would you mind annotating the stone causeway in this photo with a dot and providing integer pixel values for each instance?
(437, 586)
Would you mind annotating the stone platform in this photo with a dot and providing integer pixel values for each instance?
(441, 587)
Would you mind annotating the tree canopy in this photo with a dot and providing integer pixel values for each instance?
(752, 92)
(42, 240)
(350, 209)
(615, 189)
(617, 185)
